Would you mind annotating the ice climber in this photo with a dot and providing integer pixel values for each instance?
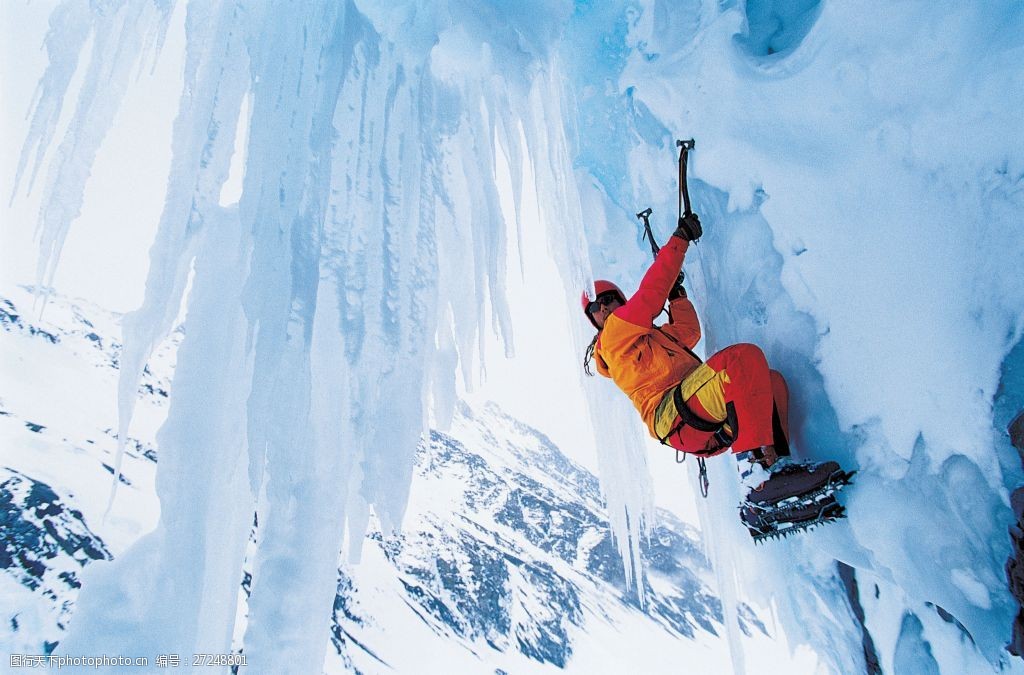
(731, 401)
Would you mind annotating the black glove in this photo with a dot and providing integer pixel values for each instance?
(677, 289)
(689, 228)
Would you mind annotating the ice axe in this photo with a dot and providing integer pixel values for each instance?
(648, 235)
(645, 216)
(684, 210)
(684, 198)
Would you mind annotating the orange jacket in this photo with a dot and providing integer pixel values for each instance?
(645, 360)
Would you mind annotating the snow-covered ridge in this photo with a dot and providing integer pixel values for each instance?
(57, 446)
(507, 550)
(506, 557)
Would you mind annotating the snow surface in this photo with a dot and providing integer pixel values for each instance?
(858, 170)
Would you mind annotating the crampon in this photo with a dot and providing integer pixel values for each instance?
(789, 515)
(778, 522)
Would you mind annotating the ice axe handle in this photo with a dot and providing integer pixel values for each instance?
(684, 193)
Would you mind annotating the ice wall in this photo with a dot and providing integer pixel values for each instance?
(859, 171)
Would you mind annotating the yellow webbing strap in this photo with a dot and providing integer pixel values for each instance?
(712, 398)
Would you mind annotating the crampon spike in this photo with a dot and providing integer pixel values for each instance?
(782, 523)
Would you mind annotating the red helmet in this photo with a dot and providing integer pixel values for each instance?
(601, 287)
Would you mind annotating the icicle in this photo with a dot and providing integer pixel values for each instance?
(204, 140)
(297, 81)
(121, 33)
(625, 480)
(622, 455)
(174, 611)
(176, 590)
(70, 25)
(364, 172)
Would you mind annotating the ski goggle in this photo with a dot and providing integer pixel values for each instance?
(600, 301)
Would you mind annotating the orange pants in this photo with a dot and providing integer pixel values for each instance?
(747, 395)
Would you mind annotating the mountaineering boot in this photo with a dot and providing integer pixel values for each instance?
(769, 479)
